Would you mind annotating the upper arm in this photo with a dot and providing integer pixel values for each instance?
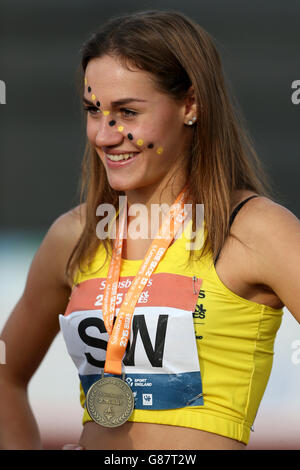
(273, 234)
(33, 323)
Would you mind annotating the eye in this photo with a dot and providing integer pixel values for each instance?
(92, 109)
(128, 112)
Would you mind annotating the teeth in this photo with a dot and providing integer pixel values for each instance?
(117, 158)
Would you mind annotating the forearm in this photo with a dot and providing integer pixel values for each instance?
(18, 428)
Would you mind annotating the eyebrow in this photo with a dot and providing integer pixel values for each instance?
(118, 102)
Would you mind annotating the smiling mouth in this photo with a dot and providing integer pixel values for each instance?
(123, 156)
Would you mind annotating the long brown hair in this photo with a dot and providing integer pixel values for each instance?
(178, 53)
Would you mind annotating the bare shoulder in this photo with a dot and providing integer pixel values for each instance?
(33, 323)
(60, 241)
(264, 220)
(69, 225)
(271, 233)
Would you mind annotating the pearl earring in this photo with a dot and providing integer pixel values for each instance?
(192, 121)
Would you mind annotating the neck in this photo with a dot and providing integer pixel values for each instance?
(159, 193)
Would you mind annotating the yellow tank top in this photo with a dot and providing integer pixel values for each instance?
(234, 343)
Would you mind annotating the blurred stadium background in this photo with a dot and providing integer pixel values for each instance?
(41, 146)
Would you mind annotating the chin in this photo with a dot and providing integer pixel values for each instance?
(122, 185)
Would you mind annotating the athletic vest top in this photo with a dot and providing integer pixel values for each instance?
(233, 339)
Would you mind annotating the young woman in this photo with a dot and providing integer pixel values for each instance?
(201, 322)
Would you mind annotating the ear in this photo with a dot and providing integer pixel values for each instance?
(190, 109)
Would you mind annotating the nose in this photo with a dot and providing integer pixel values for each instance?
(107, 134)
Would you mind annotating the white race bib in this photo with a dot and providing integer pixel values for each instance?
(161, 361)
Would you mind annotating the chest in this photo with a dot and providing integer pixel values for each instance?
(235, 268)
(161, 344)
(136, 249)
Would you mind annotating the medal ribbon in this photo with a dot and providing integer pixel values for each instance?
(119, 333)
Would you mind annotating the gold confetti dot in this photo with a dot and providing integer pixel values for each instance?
(140, 142)
(85, 81)
(159, 150)
(93, 96)
(120, 128)
(105, 113)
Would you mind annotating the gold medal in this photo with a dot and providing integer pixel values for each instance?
(110, 402)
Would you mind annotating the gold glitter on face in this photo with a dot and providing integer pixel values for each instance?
(147, 122)
(139, 142)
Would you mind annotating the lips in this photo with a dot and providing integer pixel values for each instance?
(120, 157)
(119, 160)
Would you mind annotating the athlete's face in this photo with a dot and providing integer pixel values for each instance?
(128, 115)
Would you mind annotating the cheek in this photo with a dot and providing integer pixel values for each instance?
(162, 137)
(154, 130)
(154, 137)
(165, 126)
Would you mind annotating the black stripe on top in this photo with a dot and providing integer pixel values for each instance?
(234, 214)
(238, 208)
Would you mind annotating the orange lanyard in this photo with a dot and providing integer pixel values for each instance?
(119, 333)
